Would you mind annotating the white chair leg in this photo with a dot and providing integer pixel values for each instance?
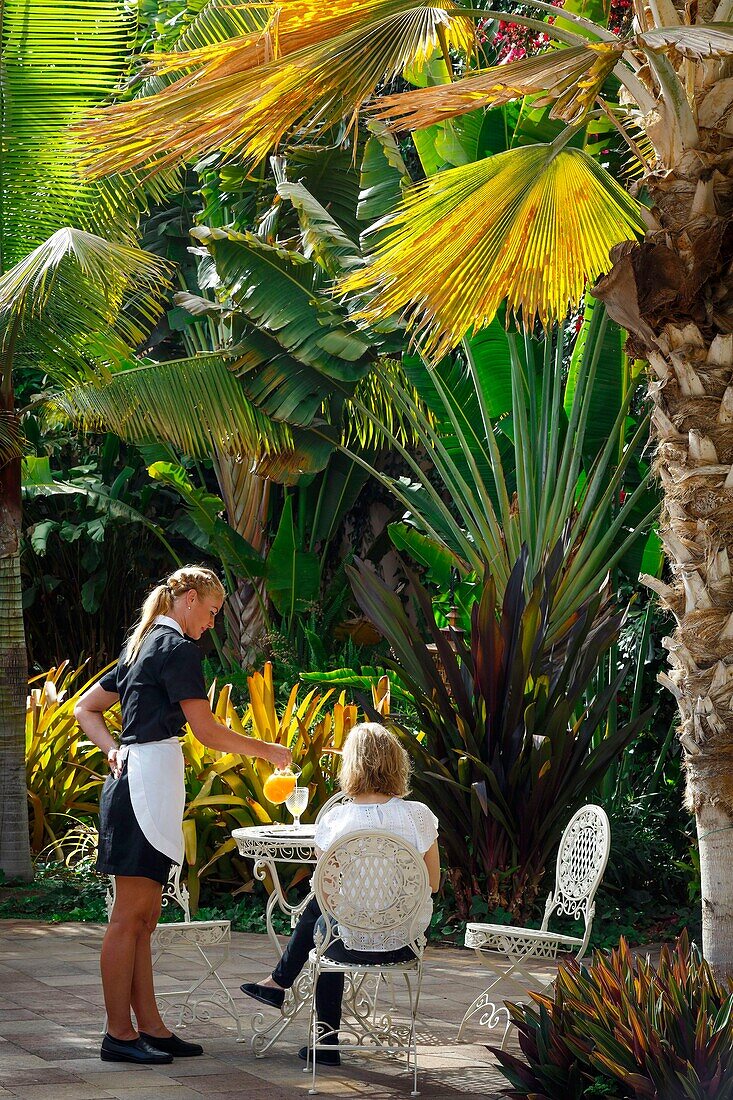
(312, 1053)
(491, 1018)
(412, 1042)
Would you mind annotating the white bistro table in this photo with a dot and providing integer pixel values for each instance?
(268, 845)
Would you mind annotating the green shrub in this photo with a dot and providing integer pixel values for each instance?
(509, 738)
(64, 771)
(623, 1028)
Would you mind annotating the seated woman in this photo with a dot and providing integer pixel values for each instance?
(375, 773)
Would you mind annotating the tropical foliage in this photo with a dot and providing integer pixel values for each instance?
(524, 458)
(323, 68)
(623, 1027)
(507, 747)
(48, 224)
(93, 539)
(663, 83)
(280, 378)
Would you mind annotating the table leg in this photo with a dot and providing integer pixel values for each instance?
(296, 999)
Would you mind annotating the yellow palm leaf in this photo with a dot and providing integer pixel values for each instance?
(273, 31)
(532, 226)
(239, 102)
(570, 77)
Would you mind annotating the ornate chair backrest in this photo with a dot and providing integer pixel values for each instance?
(174, 893)
(337, 799)
(371, 883)
(581, 861)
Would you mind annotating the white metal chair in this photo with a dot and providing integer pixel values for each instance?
(370, 884)
(208, 942)
(337, 799)
(508, 951)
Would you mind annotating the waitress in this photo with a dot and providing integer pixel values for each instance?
(160, 685)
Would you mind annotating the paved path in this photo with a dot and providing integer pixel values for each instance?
(51, 1019)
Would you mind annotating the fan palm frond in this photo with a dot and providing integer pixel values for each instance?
(532, 225)
(72, 289)
(265, 31)
(218, 22)
(568, 77)
(242, 97)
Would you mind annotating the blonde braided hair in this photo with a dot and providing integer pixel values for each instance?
(204, 582)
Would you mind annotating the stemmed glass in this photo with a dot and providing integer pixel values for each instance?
(296, 803)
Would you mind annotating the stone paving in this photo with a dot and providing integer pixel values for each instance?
(51, 1019)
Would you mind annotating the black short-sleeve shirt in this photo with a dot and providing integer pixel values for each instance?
(167, 669)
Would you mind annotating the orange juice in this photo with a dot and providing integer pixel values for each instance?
(278, 787)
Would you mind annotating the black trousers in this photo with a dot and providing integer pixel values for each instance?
(330, 986)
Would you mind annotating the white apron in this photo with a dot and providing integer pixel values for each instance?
(158, 793)
(156, 775)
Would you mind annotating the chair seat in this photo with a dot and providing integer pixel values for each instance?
(510, 940)
(330, 964)
(198, 933)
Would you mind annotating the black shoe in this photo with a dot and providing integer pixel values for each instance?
(323, 1057)
(171, 1044)
(133, 1050)
(264, 993)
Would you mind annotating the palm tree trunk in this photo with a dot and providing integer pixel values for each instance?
(674, 294)
(15, 859)
(246, 497)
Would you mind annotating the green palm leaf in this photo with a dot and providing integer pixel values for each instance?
(191, 403)
(50, 78)
(77, 298)
(198, 404)
(532, 225)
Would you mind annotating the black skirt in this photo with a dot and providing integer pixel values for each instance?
(123, 847)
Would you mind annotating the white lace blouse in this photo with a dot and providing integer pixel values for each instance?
(410, 821)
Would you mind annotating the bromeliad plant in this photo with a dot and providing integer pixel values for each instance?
(623, 1028)
(225, 791)
(508, 746)
(64, 772)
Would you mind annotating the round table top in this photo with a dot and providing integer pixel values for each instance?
(281, 843)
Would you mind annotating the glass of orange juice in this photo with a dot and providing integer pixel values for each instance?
(281, 784)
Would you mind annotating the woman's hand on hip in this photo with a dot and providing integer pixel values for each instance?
(115, 764)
